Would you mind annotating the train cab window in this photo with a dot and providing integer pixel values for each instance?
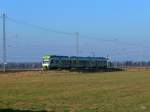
(45, 61)
(56, 61)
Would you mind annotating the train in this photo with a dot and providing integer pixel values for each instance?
(74, 62)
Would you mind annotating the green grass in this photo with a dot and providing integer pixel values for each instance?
(126, 91)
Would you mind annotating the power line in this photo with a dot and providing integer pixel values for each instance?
(68, 33)
(116, 41)
(45, 29)
(52, 30)
(98, 39)
(38, 26)
(65, 33)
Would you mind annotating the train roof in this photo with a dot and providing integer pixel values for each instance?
(76, 57)
(84, 58)
(56, 56)
(87, 57)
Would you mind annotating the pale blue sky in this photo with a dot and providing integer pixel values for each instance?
(128, 21)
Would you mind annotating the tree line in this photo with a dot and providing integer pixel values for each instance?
(23, 65)
(38, 65)
(130, 64)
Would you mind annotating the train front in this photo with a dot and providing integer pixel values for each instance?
(46, 62)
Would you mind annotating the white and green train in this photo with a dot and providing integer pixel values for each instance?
(66, 62)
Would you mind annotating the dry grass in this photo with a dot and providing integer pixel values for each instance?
(127, 91)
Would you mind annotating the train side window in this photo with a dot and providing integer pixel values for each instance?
(56, 61)
(52, 61)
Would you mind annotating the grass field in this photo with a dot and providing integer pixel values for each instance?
(127, 91)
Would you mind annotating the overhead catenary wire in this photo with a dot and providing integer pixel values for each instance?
(69, 33)
(38, 26)
(115, 40)
(55, 31)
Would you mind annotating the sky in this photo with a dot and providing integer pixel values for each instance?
(118, 28)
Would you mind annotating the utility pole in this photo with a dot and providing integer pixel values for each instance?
(77, 43)
(4, 42)
(108, 61)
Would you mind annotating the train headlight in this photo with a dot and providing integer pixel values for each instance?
(45, 66)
